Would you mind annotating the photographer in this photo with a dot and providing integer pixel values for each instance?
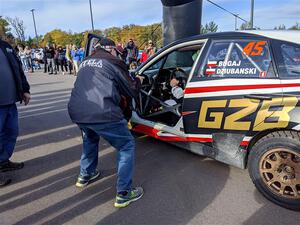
(102, 85)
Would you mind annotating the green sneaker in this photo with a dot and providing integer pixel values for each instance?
(83, 181)
(132, 196)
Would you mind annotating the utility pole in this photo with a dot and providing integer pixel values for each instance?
(91, 12)
(251, 14)
(235, 23)
(37, 38)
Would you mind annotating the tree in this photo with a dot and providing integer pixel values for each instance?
(280, 27)
(295, 27)
(245, 26)
(29, 42)
(5, 33)
(283, 27)
(209, 28)
(18, 27)
(4, 27)
(57, 37)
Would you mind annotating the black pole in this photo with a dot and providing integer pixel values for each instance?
(252, 14)
(37, 38)
(181, 18)
(91, 12)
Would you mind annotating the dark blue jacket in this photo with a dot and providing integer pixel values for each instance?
(16, 67)
(101, 81)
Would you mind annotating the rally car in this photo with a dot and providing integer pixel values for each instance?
(236, 100)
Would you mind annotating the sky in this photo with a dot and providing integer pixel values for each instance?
(74, 15)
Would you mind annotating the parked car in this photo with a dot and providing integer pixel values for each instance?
(240, 104)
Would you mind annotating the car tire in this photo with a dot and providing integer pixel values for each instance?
(274, 167)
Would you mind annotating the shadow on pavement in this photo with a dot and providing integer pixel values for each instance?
(178, 184)
(271, 214)
(43, 164)
(52, 91)
(177, 187)
(49, 83)
(48, 186)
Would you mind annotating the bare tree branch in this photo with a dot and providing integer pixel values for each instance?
(18, 27)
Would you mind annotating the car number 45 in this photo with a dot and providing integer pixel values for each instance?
(276, 111)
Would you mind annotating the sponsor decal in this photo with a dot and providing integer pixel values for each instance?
(92, 63)
(9, 50)
(246, 116)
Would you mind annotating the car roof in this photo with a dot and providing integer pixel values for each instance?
(285, 35)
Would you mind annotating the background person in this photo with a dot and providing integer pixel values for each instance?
(103, 80)
(132, 52)
(46, 68)
(148, 52)
(62, 59)
(13, 88)
(56, 60)
(75, 53)
(50, 59)
(28, 54)
(22, 55)
(69, 58)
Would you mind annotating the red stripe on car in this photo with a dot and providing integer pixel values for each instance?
(194, 90)
(152, 132)
(244, 143)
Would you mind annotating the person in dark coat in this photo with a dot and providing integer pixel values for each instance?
(102, 87)
(13, 88)
(132, 52)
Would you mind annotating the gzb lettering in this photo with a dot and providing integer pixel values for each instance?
(212, 117)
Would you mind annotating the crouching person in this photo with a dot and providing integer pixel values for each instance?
(103, 80)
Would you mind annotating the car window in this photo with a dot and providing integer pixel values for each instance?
(290, 63)
(238, 59)
(157, 65)
(180, 58)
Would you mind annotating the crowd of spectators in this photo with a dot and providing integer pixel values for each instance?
(54, 58)
(132, 56)
(66, 59)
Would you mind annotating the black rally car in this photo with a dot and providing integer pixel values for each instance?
(231, 96)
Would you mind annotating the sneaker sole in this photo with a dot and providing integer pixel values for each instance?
(84, 185)
(127, 203)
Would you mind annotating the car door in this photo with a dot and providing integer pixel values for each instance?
(93, 41)
(232, 93)
(288, 64)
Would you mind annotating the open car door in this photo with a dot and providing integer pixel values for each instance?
(92, 43)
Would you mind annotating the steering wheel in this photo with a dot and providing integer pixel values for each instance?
(153, 87)
(177, 73)
(180, 75)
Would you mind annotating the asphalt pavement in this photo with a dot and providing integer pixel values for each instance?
(180, 187)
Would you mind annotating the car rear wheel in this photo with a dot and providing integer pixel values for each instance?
(274, 167)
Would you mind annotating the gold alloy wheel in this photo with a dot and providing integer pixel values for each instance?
(280, 171)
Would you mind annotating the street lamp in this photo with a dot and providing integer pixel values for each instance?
(37, 39)
(91, 12)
